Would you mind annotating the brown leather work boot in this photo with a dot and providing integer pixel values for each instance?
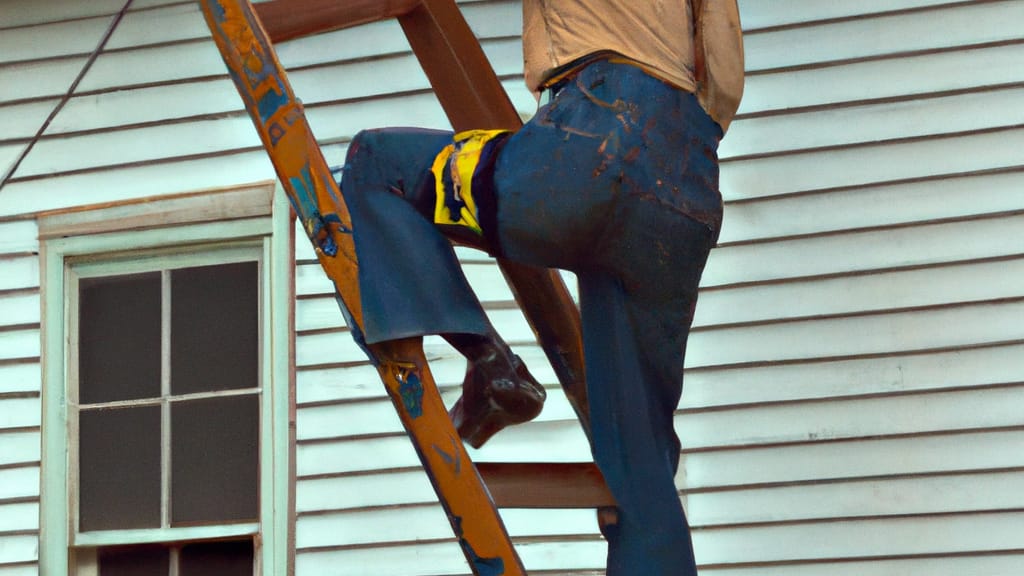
(498, 391)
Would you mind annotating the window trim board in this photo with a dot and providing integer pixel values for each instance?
(215, 205)
(271, 233)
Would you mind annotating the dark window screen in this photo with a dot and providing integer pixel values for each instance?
(214, 460)
(214, 328)
(211, 444)
(216, 559)
(119, 468)
(135, 561)
(227, 558)
(119, 338)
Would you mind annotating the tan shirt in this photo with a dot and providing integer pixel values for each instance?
(657, 34)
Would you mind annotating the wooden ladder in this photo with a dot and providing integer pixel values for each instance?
(472, 97)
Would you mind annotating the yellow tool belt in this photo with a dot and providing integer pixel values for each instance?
(463, 180)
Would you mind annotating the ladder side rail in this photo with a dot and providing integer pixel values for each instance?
(279, 119)
(472, 97)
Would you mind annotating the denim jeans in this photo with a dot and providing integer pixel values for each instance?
(616, 179)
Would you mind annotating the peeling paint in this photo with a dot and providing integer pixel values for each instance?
(481, 566)
(411, 389)
(452, 459)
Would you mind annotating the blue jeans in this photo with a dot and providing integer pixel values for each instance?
(616, 180)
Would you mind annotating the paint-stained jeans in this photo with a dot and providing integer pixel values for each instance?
(616, 180)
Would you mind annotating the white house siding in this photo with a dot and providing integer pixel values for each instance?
(853, 401)
(20, 409)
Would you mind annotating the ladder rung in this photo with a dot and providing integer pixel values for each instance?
(290, 19)
(545, 485)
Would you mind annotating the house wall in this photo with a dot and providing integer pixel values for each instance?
(852, 401)
(20, 398)
(853, 398)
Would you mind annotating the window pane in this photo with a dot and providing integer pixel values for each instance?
(214, 459)
(119, 338)
(119, 468)
(135, 561)
(217, 559)
(214, 328)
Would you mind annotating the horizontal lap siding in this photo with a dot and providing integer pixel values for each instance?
(853, 398)
(156, 114)
(852, 392)
(20, 398)
(852, 365)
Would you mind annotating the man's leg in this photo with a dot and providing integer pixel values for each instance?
(610, 196)
(635, 445)
(411, 283)
(637, 311)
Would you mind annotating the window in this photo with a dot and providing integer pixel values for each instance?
(171, 398)
(167, 401)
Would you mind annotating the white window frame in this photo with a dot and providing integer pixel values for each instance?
(249, 223)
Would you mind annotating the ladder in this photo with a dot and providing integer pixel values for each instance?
(472, 97)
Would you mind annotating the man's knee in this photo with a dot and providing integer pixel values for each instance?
(372, 163)
(404, 144)
(394, 161)
(363, 145)
(394, 155)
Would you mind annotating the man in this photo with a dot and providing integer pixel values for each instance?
(616, 179)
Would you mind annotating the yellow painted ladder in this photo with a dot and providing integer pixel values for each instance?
(472, 97)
